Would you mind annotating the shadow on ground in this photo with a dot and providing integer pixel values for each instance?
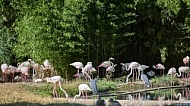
(37, 104)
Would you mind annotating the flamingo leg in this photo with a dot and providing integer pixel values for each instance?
(133, 75)
(82, 94)
(86, 95)
(78, 73)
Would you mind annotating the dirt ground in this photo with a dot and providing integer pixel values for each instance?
(16, 95)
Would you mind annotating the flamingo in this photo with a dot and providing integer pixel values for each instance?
(77, 65)
(83, 90)
(182, 69)
(4, 69)
(141, 68)
(48, 68)
(110, 70)
(132, 66)
(186, 60)
(56, 80)
(159, 67)
(124, 67)
(172, 71)
(107, 64)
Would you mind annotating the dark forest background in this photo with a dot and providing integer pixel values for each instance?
(64, 31)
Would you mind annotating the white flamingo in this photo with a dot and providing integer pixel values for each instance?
(172, 71)
(132, 66)
(4, 69)
(56, 80)
(186, 60)
(83, 90)
(77, 65)
(182, 69)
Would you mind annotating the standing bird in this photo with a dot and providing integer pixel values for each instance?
(182, 69)
(83, 90)
(4, 69)
(172, 71)
(132, 66)
(145, 79)
(112, 102)
(159, 67)
(48, 68)
(88, 68)
(56, 80)
(110, 70)
(124, 67)
(186, 61)
(77, 65)
(106, 64)
(141, 69)
(93, 86)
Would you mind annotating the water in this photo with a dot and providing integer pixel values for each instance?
(162, 94)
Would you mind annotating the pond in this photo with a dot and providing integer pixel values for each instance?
(161, 94)
(181, 96)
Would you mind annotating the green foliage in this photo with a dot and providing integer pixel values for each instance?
(164, 81)
(107, 86)
(89, 30)
(6, 42)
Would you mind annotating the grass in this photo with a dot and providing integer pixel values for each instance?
(39, 94)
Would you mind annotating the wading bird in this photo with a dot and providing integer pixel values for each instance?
(184, 70)
(132, 66)
(186, 60)
(172, 71)
(160, 67)
(107, 64)
(145, 79)
(56, 80)
(78, 66)
(141, 69)
(83, 90)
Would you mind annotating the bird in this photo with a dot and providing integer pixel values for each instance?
(151, 73)
(110, 70)
(172, 71)
(107, 64)
(83, 90)
(100, 102)
(88, 68)
(125, 66)
(132, 66)
(93, 86)
(145, 79)
(47, 63)
(186, 60)
(141, 68)
(112, 102)
(48, 68)
(160, 67)
(56, 80)
(182, 69)
(77, 65)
